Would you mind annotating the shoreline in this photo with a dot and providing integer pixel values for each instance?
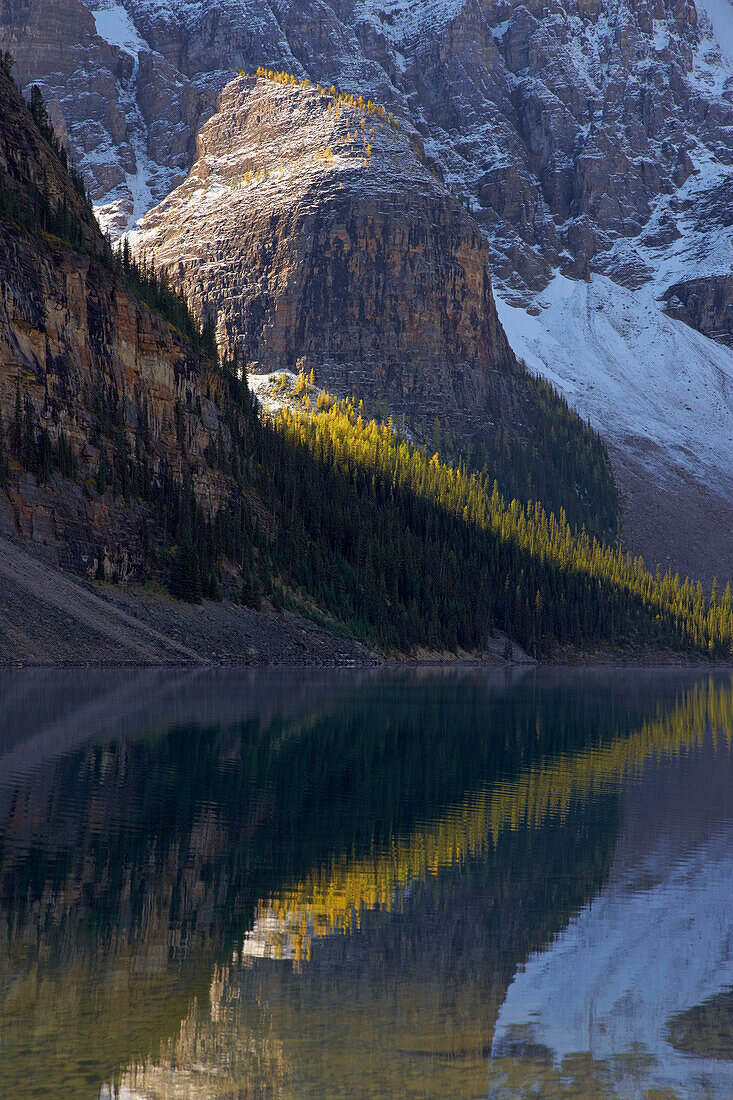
(597, 661)
(53, 619)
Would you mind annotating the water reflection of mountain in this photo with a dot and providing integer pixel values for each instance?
(649, 963)
(45, 712)
(133, 866)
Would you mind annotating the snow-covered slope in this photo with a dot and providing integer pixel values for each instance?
(116, 27)
(636, 374)
(404, 20)
(720, 15)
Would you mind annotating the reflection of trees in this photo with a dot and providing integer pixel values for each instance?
(412, 997)
(165, 848)
(331, 898)
(134, 831)
(213, 1055)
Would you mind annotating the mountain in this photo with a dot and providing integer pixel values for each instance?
(107, 416)
(591, 142)
(313, 237)
(130, 452)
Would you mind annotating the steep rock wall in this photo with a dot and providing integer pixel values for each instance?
(68, 332)
(705, 304)
(313, 236)
(72, 336)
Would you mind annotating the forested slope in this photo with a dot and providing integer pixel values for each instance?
(132, 455)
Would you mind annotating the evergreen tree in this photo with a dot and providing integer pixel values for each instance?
(250, 592)
(45, 456)
(185, 581)
(4, 468)
(30, 443)
(17, 435)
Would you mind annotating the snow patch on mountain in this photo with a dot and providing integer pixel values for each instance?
(115, 26)
(402, 20)
(720, 15)
(636, 374)
(187, 13)
(704, 245)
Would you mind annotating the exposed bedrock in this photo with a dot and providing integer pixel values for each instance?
(706, 304)
(313, 236)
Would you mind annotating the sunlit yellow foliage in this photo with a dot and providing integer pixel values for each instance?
(681, 614)
(344, 98)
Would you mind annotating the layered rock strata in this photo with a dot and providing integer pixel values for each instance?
(71, 336)
(312, 235)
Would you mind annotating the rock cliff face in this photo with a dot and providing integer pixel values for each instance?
(129, 118)
(705, 304)
(312, 235)
(584, 135)
(67, 332)
(70, 336)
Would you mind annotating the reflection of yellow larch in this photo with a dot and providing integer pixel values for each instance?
(330, 900)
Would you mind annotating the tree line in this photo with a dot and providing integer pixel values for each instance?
(344, 519)
(410, 551)
(555, 458)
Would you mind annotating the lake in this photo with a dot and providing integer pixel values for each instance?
(366, 883)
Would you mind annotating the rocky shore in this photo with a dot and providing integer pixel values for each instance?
(48, 617)
(51, 618)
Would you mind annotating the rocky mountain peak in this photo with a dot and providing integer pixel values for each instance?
(585, 136)
(314, 236)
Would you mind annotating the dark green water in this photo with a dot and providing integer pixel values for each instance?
(366, 884)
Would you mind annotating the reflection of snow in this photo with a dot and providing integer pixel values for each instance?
(628, 962)
(269, 938)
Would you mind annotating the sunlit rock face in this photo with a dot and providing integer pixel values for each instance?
(310, 231)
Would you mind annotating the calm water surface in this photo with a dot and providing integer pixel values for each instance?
(365, 884)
